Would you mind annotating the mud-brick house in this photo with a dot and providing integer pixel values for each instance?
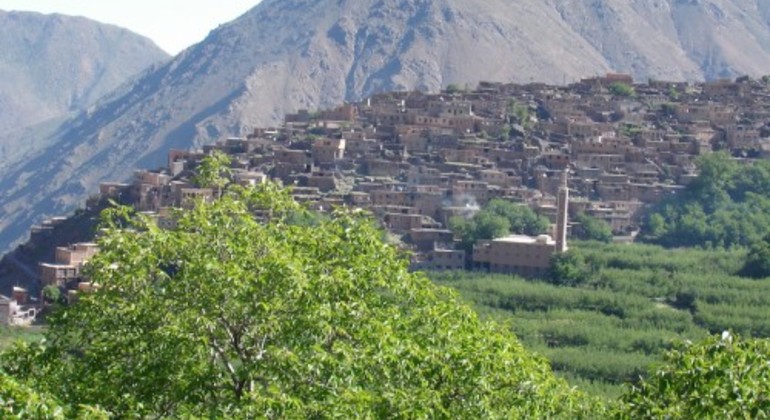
(384, 197)
(325, 181)
(515, 254)
(556, 160)
(465, 191)
(249, 178)
(346, 112)
(504, 179)
(382, 168)
(441, 259)
(427, 203)
(66, 268)
(403, 223)
(188, 196)
(112, 189)
(741, 137)
(13, 314)
(425, 175)
(427, 239)
(327, 151)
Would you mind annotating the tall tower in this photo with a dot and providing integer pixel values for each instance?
(562, 207)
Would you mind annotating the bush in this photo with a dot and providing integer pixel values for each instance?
(622, 90)
(723, 378)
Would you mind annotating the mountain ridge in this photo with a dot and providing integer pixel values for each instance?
(54, 65)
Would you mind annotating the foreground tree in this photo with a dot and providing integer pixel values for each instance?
(724, 377)
(232, 315)
(20, 402)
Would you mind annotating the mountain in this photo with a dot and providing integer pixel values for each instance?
(52, 65)
(288, 54)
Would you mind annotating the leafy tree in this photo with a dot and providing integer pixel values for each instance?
(686, 299)
(673, 94)
(453, 88)
(20, 402)
(214, 171)
(569, 268)
(505, 132)
(622, 90)
(522, 218)
(51, 293)
(758, 260)
(497, 219)
(592, 229)
(519, 113)
(233, 316)
(723, 377)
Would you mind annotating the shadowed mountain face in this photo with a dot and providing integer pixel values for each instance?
(53, 65)
(289, 54)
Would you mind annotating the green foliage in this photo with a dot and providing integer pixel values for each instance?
(228, 316)
(673, 94)
(610, 310)
(505, 132)
(758, 260)
(497, 219)
(724, 378)
(213, 171)
(19, 402)
(51, 293)
(630, 130)
(569, 268)
(686, 299)
(10, 335)
(453, 88)
(622, 90)
(727, 205)
(519, 113)
(592, 229)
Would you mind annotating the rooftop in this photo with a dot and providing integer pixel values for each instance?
(524, 239)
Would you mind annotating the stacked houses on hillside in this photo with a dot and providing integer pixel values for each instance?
(416, 160)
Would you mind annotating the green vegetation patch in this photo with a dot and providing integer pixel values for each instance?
(10, 335)
(727, 205)
(625, 306)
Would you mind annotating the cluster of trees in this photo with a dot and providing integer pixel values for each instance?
(497, 219)
(589, 228)
(501, 217)
(622, 90)
(728, 204)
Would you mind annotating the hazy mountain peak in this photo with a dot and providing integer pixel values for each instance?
(51, 64)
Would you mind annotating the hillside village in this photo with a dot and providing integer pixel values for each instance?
(415, 160)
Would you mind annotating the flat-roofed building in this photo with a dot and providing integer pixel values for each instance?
(515, 254)
(526, 255)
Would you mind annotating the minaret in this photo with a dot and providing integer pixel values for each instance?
(562, 207)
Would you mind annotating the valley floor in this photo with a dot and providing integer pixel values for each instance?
(631, 303)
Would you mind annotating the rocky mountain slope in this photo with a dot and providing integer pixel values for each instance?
(289, 54)
(52, 65)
